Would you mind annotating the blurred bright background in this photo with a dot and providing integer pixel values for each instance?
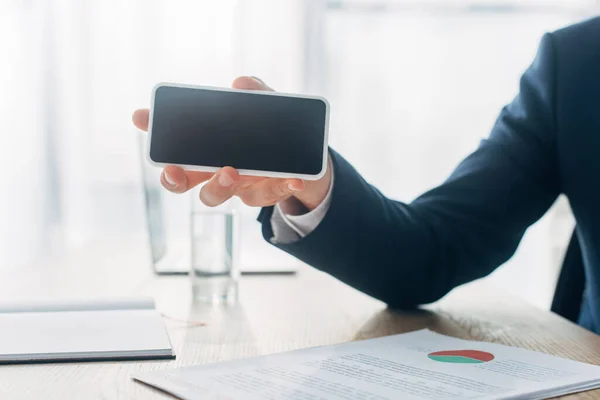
(414, 85)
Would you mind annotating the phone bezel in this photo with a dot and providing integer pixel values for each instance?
(268, 174)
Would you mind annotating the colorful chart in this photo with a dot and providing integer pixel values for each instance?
(461, 356)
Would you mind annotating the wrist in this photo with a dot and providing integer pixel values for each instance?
(313, 194)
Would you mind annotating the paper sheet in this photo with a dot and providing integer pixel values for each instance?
(82, 334)
(416, 365)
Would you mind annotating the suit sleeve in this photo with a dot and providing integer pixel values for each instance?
(412, 254)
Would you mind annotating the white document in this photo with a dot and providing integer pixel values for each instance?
(82, 330)
(416, 365)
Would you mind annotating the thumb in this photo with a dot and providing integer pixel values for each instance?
(250, 83)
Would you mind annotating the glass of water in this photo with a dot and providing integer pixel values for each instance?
(214, 271)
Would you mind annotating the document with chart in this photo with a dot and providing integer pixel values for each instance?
(416, 365)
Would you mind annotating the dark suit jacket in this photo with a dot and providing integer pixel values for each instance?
(546, 142)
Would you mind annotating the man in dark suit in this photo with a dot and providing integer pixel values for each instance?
(546, 142)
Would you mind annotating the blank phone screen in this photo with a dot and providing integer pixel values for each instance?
(243, 130)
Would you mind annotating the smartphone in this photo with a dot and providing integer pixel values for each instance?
(257, 132)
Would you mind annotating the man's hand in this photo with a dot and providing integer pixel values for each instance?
(227, 182)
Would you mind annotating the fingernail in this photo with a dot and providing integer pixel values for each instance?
(225, 180)
(207, 198)
(292, 187)
(169, 180)
(257, 79)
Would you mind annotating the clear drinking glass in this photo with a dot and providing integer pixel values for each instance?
(214, 271)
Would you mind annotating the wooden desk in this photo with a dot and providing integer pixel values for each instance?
(275, 314)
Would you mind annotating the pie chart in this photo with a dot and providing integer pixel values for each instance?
(461, 356)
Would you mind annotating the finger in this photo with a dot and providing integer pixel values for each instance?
(220, 187)
(248, 180)
(178, 180)
(270, 191)
(250, 83)
(140, 118)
